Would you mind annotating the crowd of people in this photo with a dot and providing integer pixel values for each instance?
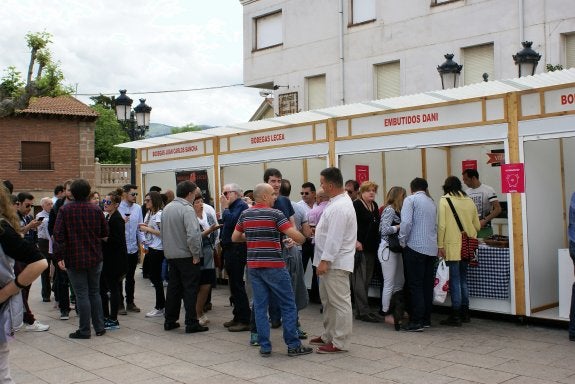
(94, 245)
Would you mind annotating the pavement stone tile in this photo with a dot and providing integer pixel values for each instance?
(480, 375)
(413, 376)
(485, 351)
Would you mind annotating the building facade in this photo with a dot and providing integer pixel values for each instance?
(322, 53)
(50, 141)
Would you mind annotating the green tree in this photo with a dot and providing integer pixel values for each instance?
(36, 42)
(103, 101)
(52, 82)
(186, 128)
(11, 84)
(109, 133)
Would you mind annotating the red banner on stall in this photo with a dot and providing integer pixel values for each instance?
(361, 173)
(468, 164)
(513, 178)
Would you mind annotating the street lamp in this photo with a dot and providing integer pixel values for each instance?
(135, 123)
(526, 59)
(449, 72)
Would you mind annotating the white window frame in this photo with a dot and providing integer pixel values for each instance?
(268, 30)
(362, 11)
(385, 74)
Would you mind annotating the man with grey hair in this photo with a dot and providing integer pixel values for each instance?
(235, 257)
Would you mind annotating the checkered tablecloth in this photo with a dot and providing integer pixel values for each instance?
(490, 280)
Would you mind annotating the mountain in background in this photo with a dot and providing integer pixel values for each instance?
(157, 129)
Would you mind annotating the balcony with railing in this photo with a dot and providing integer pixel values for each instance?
(110, 176)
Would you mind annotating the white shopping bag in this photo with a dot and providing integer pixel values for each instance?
(441, 283)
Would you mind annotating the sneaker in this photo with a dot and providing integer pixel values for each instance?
(78, 335)
(298, 351)
(230, 323)
(111, 324)
(122, 310)
(37, 327)
(196, 328)
(203, 320)
(317, 341)
(265, 353)
(301, 334)
(240, 328)
(329, 348)
(131, 307)
(413, 328)
(254, 340)
(64, 315)
(155, 313)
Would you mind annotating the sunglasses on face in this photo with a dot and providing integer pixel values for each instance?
(133, 194)
(226, 193)
(106, 202)
(28, 205)
(304, 193)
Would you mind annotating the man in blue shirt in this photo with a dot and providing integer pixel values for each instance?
(418, 236)
(235, 257)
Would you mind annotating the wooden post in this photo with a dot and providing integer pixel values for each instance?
(216, 154)
(331, 130)
(516, 209)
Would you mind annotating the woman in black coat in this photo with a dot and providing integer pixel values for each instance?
(115, 260)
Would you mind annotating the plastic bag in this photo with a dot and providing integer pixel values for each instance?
(441, 285)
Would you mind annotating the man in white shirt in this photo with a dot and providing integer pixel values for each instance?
(335, 239)
(485, 200)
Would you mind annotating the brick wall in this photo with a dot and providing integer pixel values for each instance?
(72, 151)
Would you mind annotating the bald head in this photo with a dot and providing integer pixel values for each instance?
(264, 194)
(321, 196)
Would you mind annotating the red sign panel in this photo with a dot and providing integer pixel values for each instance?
(513, 178)
(361, 173)
(468, 164)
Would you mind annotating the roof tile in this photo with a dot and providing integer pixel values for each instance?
(61, 105)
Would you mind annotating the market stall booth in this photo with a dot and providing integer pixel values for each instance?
(487, 126)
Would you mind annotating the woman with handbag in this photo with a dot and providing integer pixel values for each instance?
(13, 247)
(208, 227)
(456, 206)
(390, 252)
(367, 215)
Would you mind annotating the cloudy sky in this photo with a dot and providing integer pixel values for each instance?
(141, 46)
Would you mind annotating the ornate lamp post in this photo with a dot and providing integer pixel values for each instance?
(135, 123)
(526, 59)
(449, 72)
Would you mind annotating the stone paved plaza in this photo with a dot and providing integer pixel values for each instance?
(485, 351)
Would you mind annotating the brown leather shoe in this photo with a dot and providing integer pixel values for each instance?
(239, 328)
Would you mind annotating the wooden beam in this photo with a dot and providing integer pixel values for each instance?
(516, 207)
(331, 132)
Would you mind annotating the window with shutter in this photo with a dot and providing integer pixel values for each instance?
(268, 30)
(362, 11)
(387, 80)
(315, 92)
(477, 61)
(570, 50)
(36, 156)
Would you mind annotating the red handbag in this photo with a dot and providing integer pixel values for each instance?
(469, 245)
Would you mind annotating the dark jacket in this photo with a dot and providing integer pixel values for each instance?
(114, 250)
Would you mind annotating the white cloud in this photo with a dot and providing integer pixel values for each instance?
(149, 45)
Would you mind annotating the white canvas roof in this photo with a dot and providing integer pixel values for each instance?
(482, 89)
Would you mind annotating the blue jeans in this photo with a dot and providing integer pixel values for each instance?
(276, 283)
(572, 311)
(86, 284)
(458, 284)
(419, 278)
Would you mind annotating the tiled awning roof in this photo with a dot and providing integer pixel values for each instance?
(61, 105)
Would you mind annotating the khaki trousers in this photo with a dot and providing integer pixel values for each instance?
(337, 313)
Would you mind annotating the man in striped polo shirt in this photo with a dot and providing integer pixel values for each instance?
(260, 227)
